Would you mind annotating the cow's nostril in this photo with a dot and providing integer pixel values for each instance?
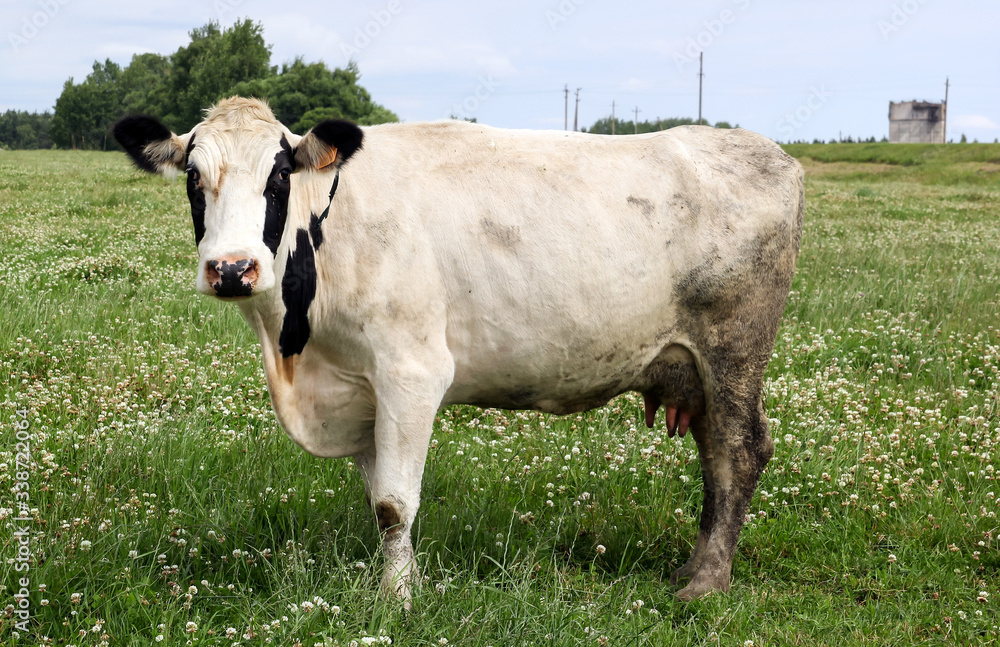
(212, 272)
(232, 277)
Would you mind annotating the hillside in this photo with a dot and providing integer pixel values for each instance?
(924, 163)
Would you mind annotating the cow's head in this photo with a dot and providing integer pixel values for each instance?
(239, 163)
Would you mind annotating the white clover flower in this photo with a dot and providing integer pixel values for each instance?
(85, 546)
(191, 627)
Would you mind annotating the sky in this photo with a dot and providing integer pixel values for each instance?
(789, 69)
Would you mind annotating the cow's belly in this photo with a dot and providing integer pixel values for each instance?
(564, 366)
(326, 412)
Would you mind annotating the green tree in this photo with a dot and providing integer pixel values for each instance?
(304, 94)
(622, 127)
(25, 130)
(143, 84)
(84, 112)
(209, 67)
(216, 64)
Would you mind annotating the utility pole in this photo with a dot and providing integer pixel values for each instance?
(635, 122)
(701, 76)
(944, 136)
(612, 117)
(576, 111)
(566, 118)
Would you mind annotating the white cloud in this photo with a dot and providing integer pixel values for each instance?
(973, 121)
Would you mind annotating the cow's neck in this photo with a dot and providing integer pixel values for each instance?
(280, 317)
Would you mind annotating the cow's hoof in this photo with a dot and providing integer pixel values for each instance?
(684, 573)
(701, 585)
(396, 585)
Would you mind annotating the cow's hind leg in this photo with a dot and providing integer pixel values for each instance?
(731, 307)
(734, 449)
(699, 429)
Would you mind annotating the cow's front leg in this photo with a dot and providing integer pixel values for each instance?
(406, 404)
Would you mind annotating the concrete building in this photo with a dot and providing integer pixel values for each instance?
(917, 122)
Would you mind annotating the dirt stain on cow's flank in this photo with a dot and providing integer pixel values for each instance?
(644, 204)
(505, 236)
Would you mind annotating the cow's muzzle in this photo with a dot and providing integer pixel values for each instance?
(231, 277)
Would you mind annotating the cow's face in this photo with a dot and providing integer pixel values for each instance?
(239, 164)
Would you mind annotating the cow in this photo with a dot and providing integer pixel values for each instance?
(393, 270)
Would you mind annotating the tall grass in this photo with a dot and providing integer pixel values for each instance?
(168, 506)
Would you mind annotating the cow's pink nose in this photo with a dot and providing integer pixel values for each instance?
(231, 277)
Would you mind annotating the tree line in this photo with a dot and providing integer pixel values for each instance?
(215, 64)
(624, 127)
(25, 130)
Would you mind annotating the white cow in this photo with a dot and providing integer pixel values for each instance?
(450, 262)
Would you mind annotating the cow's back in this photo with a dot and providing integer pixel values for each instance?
(566, 261)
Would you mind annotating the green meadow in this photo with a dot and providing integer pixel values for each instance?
(168, 508)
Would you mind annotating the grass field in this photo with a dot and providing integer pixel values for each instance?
(168, 508)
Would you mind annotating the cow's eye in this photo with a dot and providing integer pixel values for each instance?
(284, 174)
(193, 174)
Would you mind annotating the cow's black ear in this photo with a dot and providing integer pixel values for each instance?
(150, 144)
(328, 145)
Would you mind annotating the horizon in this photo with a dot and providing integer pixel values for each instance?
(839, 67)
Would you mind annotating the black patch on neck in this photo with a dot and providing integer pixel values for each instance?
(298, 289)
(315, 230)
(196, 196)
(333, 189)
(276, 196)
